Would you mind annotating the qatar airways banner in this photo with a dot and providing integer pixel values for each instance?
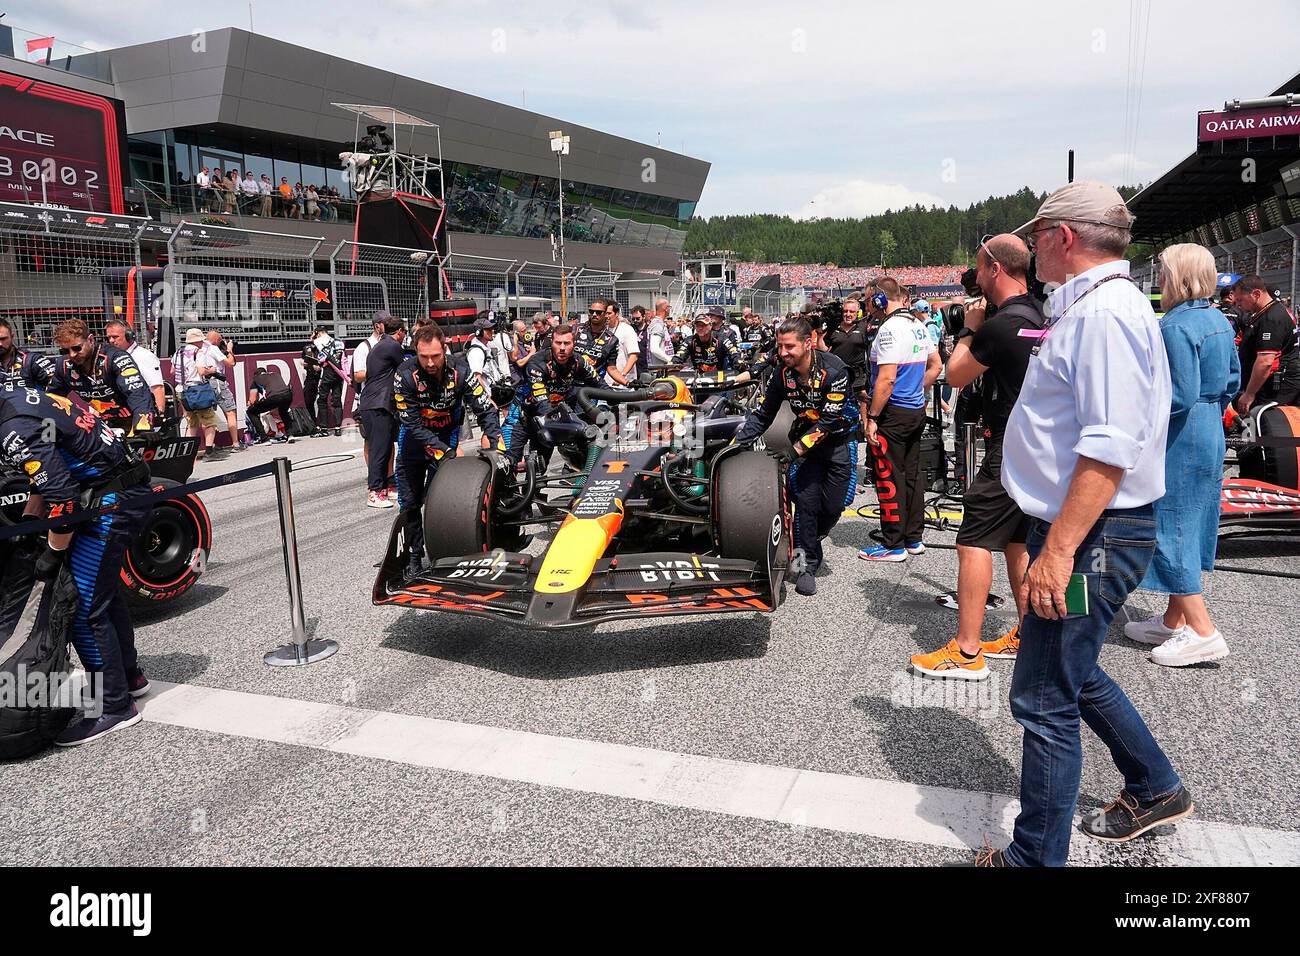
(1244, 124)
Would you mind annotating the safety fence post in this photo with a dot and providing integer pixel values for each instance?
(302, 650)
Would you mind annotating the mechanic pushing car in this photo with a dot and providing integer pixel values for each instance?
(430, 392)
(22, 368)
(709, 351)
(550, 377)
(66, 451)
(816, 385)
(104, 376)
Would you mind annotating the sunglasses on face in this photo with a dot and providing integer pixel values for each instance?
(597, 311)
(72, 349)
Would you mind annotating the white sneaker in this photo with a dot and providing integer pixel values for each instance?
(1150, 632)
(1190, 648)
(376, 499)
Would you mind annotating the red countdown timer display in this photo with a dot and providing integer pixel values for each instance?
(59, 146)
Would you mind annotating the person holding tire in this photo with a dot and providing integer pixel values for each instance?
(816, 386)
(69, 454)
(430, 392)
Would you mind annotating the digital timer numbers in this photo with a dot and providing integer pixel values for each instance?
(49, 171)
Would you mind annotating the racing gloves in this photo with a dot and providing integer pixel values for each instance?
(48, 564)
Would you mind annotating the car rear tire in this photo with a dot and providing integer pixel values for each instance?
(748, 507)
(171, 552)
(458, 509)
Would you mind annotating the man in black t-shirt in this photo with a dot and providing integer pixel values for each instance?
(997, 348)
(1267, 345)
(850, 344)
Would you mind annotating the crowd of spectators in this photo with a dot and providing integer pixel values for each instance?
(226, 193)
(795, 276)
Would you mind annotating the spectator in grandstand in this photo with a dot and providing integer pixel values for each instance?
(202, 182)
(904, 364)
(1269, 349)
(299, 200)
(995, 352)
(250, 194)
(1084, 457)
(311, 199)
(285, 199)
(1206, 374)
(622, 371)
(223, 193)
(221, 358)
(189, 368)
(264, 196)
(270, 396)
(377, 411)
(121, 336)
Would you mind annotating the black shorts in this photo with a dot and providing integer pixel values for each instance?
(990, 518)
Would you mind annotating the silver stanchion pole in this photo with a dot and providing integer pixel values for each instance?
(302, 650)
(968, 432)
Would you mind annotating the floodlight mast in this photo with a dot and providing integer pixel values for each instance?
(560, 147)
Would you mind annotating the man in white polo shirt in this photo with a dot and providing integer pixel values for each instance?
(1083, 457)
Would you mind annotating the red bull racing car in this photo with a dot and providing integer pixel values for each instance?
(655, 513)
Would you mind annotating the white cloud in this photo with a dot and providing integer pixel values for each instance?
(858, 197)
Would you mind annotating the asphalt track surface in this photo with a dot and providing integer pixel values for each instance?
(797, 738)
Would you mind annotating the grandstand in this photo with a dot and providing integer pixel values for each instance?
(831, 278)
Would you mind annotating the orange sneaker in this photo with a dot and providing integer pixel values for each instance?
(949, 663)
(1005, 647)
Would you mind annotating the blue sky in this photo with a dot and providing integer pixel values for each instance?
(845, 109)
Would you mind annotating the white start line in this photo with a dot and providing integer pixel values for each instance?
(888, 809)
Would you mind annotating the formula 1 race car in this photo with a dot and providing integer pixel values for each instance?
(657, 514)
(171, 552)
(1267, 490)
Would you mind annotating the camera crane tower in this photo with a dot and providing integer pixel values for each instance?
(400, 191)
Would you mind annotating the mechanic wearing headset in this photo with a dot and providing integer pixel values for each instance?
(105, 376)
(816, 385)
(430, 393)
(66, 451)
(550, 377)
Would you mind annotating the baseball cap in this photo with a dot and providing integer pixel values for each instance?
(920, 305)
(381, 315)
(716, 312)
(482, 323)
(704, 317)
(1083, 201)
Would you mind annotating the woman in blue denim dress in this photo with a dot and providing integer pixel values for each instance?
(1206, 373)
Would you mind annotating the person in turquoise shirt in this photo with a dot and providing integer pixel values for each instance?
(1206, 374)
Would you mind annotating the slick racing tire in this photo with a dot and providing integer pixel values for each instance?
(171, 552)
(1274, 456)
(458, 509)
(748, 512)
(14, 490)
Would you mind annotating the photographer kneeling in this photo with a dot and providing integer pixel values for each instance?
(998, 349)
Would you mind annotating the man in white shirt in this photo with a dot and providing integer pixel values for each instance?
(622, 372)
(248, 188)
(1084, 456)
(121, 336)
(202, 182)
(264, 196)
(659, 342)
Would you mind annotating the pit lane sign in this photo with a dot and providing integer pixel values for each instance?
(1246, 124)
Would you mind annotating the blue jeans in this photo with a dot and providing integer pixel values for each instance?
(1057, 681)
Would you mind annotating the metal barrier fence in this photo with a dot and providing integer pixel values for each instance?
(1274, 256)
(57, 265)
(263, 288)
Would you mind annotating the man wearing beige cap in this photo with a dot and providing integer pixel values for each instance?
(1083, 457)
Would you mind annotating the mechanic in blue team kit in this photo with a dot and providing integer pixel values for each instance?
(104, 376)
(596, 341)
(550, 377)
(904, 364)
(20, 366)
(709, 352)
(816, 386)
(430, 392)
(67, 452)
